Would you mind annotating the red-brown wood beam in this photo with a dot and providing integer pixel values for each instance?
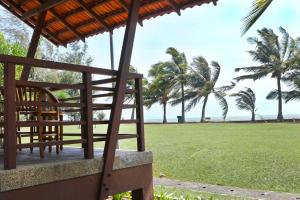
(34, 44)
(9, 116)
(22, 3)
(94, 15)
(44, 6)
(126, 8)
(118, 99)
(175, 7)
(68, 26)
(9, 5)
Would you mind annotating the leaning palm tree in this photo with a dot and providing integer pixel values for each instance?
(131, 85)
(274, 56)
(245, 100)
(202, 81)
(176, 70)
(159, 90)
(257, 9)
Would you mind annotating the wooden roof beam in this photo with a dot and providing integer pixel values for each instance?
(47, 33)
(45, 6)
(94, 15)
(175, 7)
(126, 8)
(22, 3)
(62, 20)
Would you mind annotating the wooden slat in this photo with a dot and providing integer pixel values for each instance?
(48, 123)
(49, 85)
(94, 15)
(48, 104)
(61, 66)
(43, 7)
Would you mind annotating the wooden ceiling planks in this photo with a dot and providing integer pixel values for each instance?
(71, 20)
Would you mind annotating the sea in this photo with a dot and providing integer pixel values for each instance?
(229, 118)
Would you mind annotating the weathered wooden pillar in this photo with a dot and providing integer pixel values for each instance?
(34, 44)
(118, 99)
(10, 135)
(140, 114)
(87, 116)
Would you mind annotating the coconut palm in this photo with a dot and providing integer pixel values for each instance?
(131, 85)
(176, 70)
(159, 90)
(257, 9)
(274, 56)
(245, 100)
(202, 81)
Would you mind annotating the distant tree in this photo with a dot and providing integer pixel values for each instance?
(177, 72)
(9, 48)
(245, 100)
(202, 81)
(159, 90)
(275, 57)
(257, 9)
(131, 85)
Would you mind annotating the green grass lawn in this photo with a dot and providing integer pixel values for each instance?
(259, 156)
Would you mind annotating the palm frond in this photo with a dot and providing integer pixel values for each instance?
(256, 10)
(216, 72)
(273, 95)
(223, 103)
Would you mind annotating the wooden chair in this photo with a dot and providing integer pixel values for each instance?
(37, 110)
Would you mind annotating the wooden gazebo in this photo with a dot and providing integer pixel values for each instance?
(63, 22)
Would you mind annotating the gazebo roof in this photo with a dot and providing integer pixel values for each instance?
(70, 20)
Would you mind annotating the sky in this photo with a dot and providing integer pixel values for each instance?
(210, 31)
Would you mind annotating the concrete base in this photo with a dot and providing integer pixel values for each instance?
(69, 164)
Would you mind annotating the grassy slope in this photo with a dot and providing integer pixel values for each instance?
(259, 156)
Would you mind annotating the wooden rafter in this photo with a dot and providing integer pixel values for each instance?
(175, 7)
(68, 26)
(22, 3)
(47, 33)
(93, 14)
(126, 8)
(44, 6)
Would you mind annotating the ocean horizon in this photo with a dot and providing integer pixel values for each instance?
(230, 118)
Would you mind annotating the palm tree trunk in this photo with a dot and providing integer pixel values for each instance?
(182, 103)
(253, 116)
(203, 109)
(165, 112)
(279, 116)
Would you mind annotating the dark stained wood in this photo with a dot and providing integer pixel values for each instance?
(43, 7)
(174, 6)
(34, 44)
(87, 129)
(68, 25)
(115, 117)
(61, 66)
(9, 117)
(87, 187)
(140, 115)
(10, 5)
(94, 15)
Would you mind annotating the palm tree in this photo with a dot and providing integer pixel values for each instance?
(274, 56)
(176, 70)
(245, 100)
(131, 85)
(257, 9)
(159, 90)
(202, 81)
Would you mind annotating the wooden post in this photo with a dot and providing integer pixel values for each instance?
(34, 44)
(87, 116)
(10, 140)
(140, 114)
(118, 99)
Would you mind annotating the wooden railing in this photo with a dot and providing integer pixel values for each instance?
(94, 95)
